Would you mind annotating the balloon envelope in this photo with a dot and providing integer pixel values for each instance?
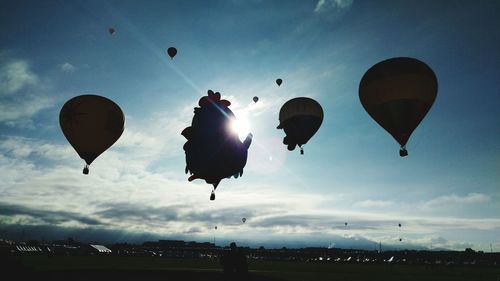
(300, 118)
(279, 81)
(172, 52)
(213, 150)
(397, 93)
(91, 124)
(243, 220)
(255, 99)
(111, 31)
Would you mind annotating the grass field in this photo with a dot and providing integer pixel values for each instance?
(144, 268)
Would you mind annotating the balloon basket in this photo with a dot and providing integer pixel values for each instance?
(212, 196)
(86, 170)
(403, 152)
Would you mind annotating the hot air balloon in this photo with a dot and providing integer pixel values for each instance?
(300, 118)
(255, 99)
(215, 227)
(279, 81)
(213, 150)
(397, 93)
(172, 52)
(399, 224)
(91, 124)
(345, 223)
(244, 220)
(111, 31)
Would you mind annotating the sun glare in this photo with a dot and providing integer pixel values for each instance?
(241, 126)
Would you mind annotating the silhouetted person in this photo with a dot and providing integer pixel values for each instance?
(241, 263)
(234, 263)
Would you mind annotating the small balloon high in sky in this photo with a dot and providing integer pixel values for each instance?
(172, 52)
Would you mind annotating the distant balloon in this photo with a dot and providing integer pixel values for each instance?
(91, 124)
(279, 81)
(300, 118)
(111, 31)
(399, 225)
(243, 220)
(215, 227)
(397, 93)
(212, 151)
(345, 223)
(255, 99)
(172, 52)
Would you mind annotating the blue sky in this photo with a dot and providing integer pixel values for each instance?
(446, 193)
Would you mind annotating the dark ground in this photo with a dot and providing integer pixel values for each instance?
(136, 275)
(96, 268)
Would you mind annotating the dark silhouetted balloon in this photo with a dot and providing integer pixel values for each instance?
(111, 31)
(244, 220)
(399, 225)
(91, 124)
(215, 227)
(172, 52)
(213, 149)
(279, 81)
(345, 223)
(255, 99)
(397, 93)
(300, 118)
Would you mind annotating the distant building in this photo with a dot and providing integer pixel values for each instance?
(31, 249)
(171, 243)
(99, 249)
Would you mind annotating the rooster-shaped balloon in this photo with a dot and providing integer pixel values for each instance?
(213, 149)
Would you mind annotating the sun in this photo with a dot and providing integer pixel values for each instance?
(241, 126)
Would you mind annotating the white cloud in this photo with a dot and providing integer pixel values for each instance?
(67, 67)
(21, 94)
(21, 147)
(438, 242)
(14, 76)
(154, 137)
(453, 199)
(324, 6)
(17, 111)
(373, 204)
